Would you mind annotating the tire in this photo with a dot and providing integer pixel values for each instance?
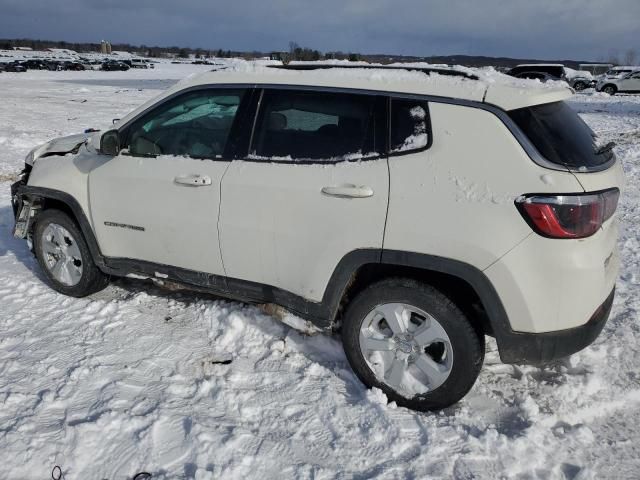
(458, 357)
(610, 89)
(68, 269)
(579, 86)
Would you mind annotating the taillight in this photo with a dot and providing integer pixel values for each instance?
(568, 216)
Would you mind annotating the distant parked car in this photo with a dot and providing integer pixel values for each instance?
(111, 66)
(54, 65)
(34, 64)
(91, 64)
(629, 83)
(140, 63)
(13, 67)
(578, 80)
(619, 72)
(75, 66)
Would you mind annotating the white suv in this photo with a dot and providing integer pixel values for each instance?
(627, 83)
(417, 211)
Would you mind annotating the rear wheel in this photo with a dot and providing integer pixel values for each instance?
(64, 256)
(610, 89)
(412, 342)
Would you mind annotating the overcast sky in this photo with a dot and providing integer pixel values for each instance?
(544, 29)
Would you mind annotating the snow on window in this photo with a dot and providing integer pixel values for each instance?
(320, 126)
(408, 126)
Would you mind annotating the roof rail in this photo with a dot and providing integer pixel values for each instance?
(426, 70)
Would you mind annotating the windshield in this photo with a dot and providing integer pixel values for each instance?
(561, 136)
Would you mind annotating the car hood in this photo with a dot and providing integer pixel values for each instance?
(59, 146)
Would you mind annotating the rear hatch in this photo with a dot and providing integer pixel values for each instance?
(565, 140)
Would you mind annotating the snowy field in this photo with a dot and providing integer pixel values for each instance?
(183, 386)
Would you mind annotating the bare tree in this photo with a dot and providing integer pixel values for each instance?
(613, 57)
(631, 57)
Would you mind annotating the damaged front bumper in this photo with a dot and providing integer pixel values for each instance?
(24, 210)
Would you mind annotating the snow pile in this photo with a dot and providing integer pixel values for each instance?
(571, 73)
(189, 386)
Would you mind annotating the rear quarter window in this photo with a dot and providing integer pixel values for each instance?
(561, 136)
(410, 126)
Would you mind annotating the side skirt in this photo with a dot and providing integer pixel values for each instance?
(321, 313)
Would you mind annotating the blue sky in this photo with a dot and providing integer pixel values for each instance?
(545, 29)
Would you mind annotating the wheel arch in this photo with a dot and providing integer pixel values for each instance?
(464, 284)
(50, 199)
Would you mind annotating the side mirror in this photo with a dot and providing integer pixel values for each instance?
(110, 143)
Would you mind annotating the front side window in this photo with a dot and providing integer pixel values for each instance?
(196, 124)
(409, 125)
(322, 126)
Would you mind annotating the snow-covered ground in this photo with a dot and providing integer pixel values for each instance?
(182, 386)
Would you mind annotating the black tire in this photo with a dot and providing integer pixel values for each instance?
(466, 343)
(92, 280)
(579, 86)
(610, 89)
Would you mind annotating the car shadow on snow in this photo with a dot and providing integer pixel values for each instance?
(322, 348)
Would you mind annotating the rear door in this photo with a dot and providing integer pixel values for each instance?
(313, 188)
(158, 200)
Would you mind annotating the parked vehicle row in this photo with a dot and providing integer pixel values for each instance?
(82, 64)
(621, 79)
(35, 64)
(545, 72)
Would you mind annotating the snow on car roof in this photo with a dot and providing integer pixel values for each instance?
(540, 65)
(477, 85)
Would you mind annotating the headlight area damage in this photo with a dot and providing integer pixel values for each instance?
(25, 209)
(58, 146)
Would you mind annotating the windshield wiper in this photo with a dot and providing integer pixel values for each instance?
(605, 148)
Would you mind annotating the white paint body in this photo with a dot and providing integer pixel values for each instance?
(270, 223)
(628, 83)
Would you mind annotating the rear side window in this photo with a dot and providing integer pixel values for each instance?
(551, 70)
(556, 71)
(409, 125)
(320, 126)
(561, 136)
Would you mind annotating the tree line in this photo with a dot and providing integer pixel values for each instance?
(295, 52)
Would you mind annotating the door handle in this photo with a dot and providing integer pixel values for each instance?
(348, 191)
(193, 180)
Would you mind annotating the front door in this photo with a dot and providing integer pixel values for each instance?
(313, 188)
(158, 199)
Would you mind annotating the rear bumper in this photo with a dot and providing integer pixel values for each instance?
(539, 348)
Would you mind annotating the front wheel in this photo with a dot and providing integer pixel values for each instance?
(64, 256)
(412, 342)
(610, 89)
(579, 86)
